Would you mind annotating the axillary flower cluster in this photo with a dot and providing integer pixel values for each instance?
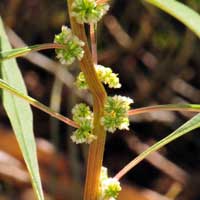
(88, 11)
(72, 46)
(109, 187)
(116, 107)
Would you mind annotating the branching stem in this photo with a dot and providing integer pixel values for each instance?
(37, 104)
(14, 53)
(96, 148)
(167, 107)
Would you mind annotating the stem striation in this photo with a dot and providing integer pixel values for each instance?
(96, 149)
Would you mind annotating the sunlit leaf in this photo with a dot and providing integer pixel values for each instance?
(20, 114)
(181, 12)
(4, 85)
(18, 52)
(190, 125)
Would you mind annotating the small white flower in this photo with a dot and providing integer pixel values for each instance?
(116, 113)
(72, 46)
(88, 11)
(109, 187)
(84, 118)
(105, 75)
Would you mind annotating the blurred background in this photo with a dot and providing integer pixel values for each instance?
(158, 61)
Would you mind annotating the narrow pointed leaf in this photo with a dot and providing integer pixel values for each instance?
(190, 125)
(14, 53)
(181, 12)
(37, 104)
(20, 114)
(4, 55)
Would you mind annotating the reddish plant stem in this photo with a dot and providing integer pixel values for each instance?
(48, 46)
(167, 107)
(161, 143)
(93, 43)
(96, 149)
(102, 1)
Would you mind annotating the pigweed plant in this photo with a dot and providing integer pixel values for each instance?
(109, 113)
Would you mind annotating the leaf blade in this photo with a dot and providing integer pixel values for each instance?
(190, 125)
(37, 104)
(18, 52)
(20, 115)
(181, 12)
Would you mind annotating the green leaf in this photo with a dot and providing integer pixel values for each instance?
(190, 125)
(4, 55)
(20, 114)
(14, 53)
(37, 104)
(181, 12)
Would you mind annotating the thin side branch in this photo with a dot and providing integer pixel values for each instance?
(167, 107)
(37, 104)
(18, 52)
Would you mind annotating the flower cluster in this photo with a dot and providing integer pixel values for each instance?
(109, 187)
(72, 46)
(104, 74)
(84, 118)
(88, 11)
(116, 113)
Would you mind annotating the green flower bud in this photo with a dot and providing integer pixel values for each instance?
(81, 112)
(109, 187)
(81, 81)
(116, 113)
(72, 46)
(83, 134)
(104, 74)
(88, 11)
(84, 118)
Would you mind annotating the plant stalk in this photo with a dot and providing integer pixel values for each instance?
(93, 43)
(96, 149)
(37, 104)
(102, 1)
(190, 125)
(18, 52)
(167, 107)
